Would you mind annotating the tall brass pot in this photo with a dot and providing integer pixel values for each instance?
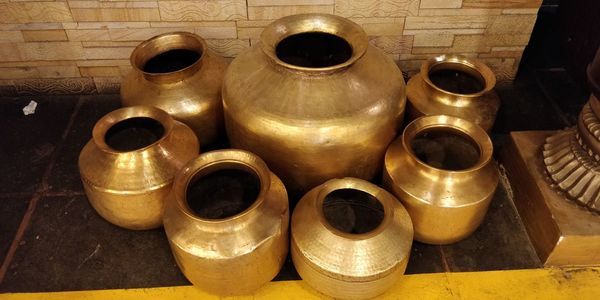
(313, 115)
(179, 74)
(350, 239)
(446, 203)
(129, 185)
(227, 253)
(456, 86)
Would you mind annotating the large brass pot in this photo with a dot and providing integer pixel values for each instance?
(457, 86)
(350, 239)
(178, 73)
(443, 172)
(129, 165)
(227, 223)
(314, 100)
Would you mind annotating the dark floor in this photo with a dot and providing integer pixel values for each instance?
(52, 240)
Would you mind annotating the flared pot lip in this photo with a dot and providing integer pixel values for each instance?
(139, 111)
(322, 23)
(164, 42)
(458, 126)
(220, 160)
(383, 197)
(472, 64)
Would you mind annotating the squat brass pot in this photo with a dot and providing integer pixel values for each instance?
(312, 119)
(238, 253)
(445, 205)
(179, 74)
(347, 265)
(129, 187)
(456, 96)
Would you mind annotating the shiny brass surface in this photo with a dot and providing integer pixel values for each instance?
(445, 205)
(190, 93)
(313, 124)
(562, 232)
(426, 98)
(129, 188)
(572, 158)
(236, 254)
(346, 265)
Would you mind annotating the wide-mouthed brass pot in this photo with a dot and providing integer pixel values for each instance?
(350, 239)
(227, 223)
(178, 73)
(129, 165)
(314, 100)
(443, 172)
(456, 86)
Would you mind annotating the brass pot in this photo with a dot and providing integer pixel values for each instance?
(227, 223)
(442, 171)
(129, 165)
(179, 74)
(314, 100)
(456, 86)
(350, 239)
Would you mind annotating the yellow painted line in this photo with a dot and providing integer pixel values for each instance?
(554, 283)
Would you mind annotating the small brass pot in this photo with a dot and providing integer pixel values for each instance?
(227, 223)
(129, 165)
(178, 73)
(350, 239)
(442, 171)
(456, 86)
(315, 100)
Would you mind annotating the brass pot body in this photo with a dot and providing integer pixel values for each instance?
(129, 188)
(191, 94)
(237, 254)
(314, 124)
(426, 98)
(345, 265)
(445, 206)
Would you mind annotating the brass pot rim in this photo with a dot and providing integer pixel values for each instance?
(164, 42)
(358, 185)
(217, 160)
(459, 126)
(476, 65)
(125, 113)
(287, 26)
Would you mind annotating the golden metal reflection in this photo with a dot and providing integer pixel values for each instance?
(347, 265)
(129, 188)
(445, 205)
(478, 106)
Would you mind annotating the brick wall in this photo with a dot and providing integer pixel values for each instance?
(80, 46)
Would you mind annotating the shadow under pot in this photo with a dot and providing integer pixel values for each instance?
(454, 85)
(442, 170)
(227, 223)
(315, 100)
(179, 74)
(350, 239)
(129, 165)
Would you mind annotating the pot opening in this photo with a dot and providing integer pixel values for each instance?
(352, 211)
(223, 193)
(456, 78)
(134, 133)
(313, 50)
(445, 149)
(171, 61)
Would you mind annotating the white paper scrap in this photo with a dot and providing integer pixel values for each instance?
(30, 108)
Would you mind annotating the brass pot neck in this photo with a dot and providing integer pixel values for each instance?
(221, 160)
(105, 123)
(341, 27)
(358, 185)
(460, 63)
(163, 43)
(454, 125)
